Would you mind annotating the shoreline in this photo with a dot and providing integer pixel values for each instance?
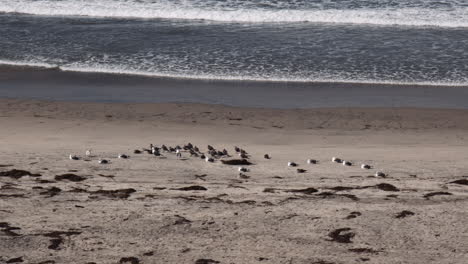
(57, 85)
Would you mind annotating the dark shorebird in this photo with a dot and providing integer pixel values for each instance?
(193, 153)
(210, 147)
(311, 161)
(103, 161)
(164, 148)
(137, 151)
(208, 159)
(244, 156)
(196, 149)
(237, 149)
(301, 170)
(266, 156)
(73, 157)
(292, 164)
(171, 149)
(220, 153)
(202, 156)
(225, 152)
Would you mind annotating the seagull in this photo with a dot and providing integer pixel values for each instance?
(73, 157)
(266, 156)
(311, 161)
(347, 163)
(242, 169)
(301, 170)
(366, 166)
(123, 156)
(243, 176)
(178, 153)
(88, 153)
(337, 160)
(243, 155)
(380, 174)
(103, 161)
(292, 164)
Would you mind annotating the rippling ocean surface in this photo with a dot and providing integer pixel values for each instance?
(364, 41)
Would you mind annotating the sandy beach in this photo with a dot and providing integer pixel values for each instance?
(149, 209)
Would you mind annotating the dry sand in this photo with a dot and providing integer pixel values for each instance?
(346, 216)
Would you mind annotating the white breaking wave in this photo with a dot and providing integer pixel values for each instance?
(187, 10)
(28, 64)
(221, 77)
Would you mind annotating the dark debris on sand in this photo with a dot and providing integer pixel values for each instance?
(70, 176)
(364, 250)
(334, 195)
(180, 220)
(341, 235)
(353, 215)
(206, 261)
(118, 193)
(192, 188)
(462, 182)
(309, 190)
(16, 174)
(404, 214)
(386, 187)
(7, 229)
(15, 260)
(341, 188)
(57, 238)
(131, 260)
(429, 195)
(52, 191)
(236, 162)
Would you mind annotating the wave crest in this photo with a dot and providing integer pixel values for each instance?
(403, 16)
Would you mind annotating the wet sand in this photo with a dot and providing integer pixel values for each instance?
(54, 84)
(149, 209)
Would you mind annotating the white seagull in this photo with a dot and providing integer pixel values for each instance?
(380, 174)
(242, 169)
(123, 156)
(365, 166)
(347, 163)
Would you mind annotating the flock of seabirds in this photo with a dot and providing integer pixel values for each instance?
(213, 154)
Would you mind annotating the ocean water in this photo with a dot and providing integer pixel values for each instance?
(423, 42)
